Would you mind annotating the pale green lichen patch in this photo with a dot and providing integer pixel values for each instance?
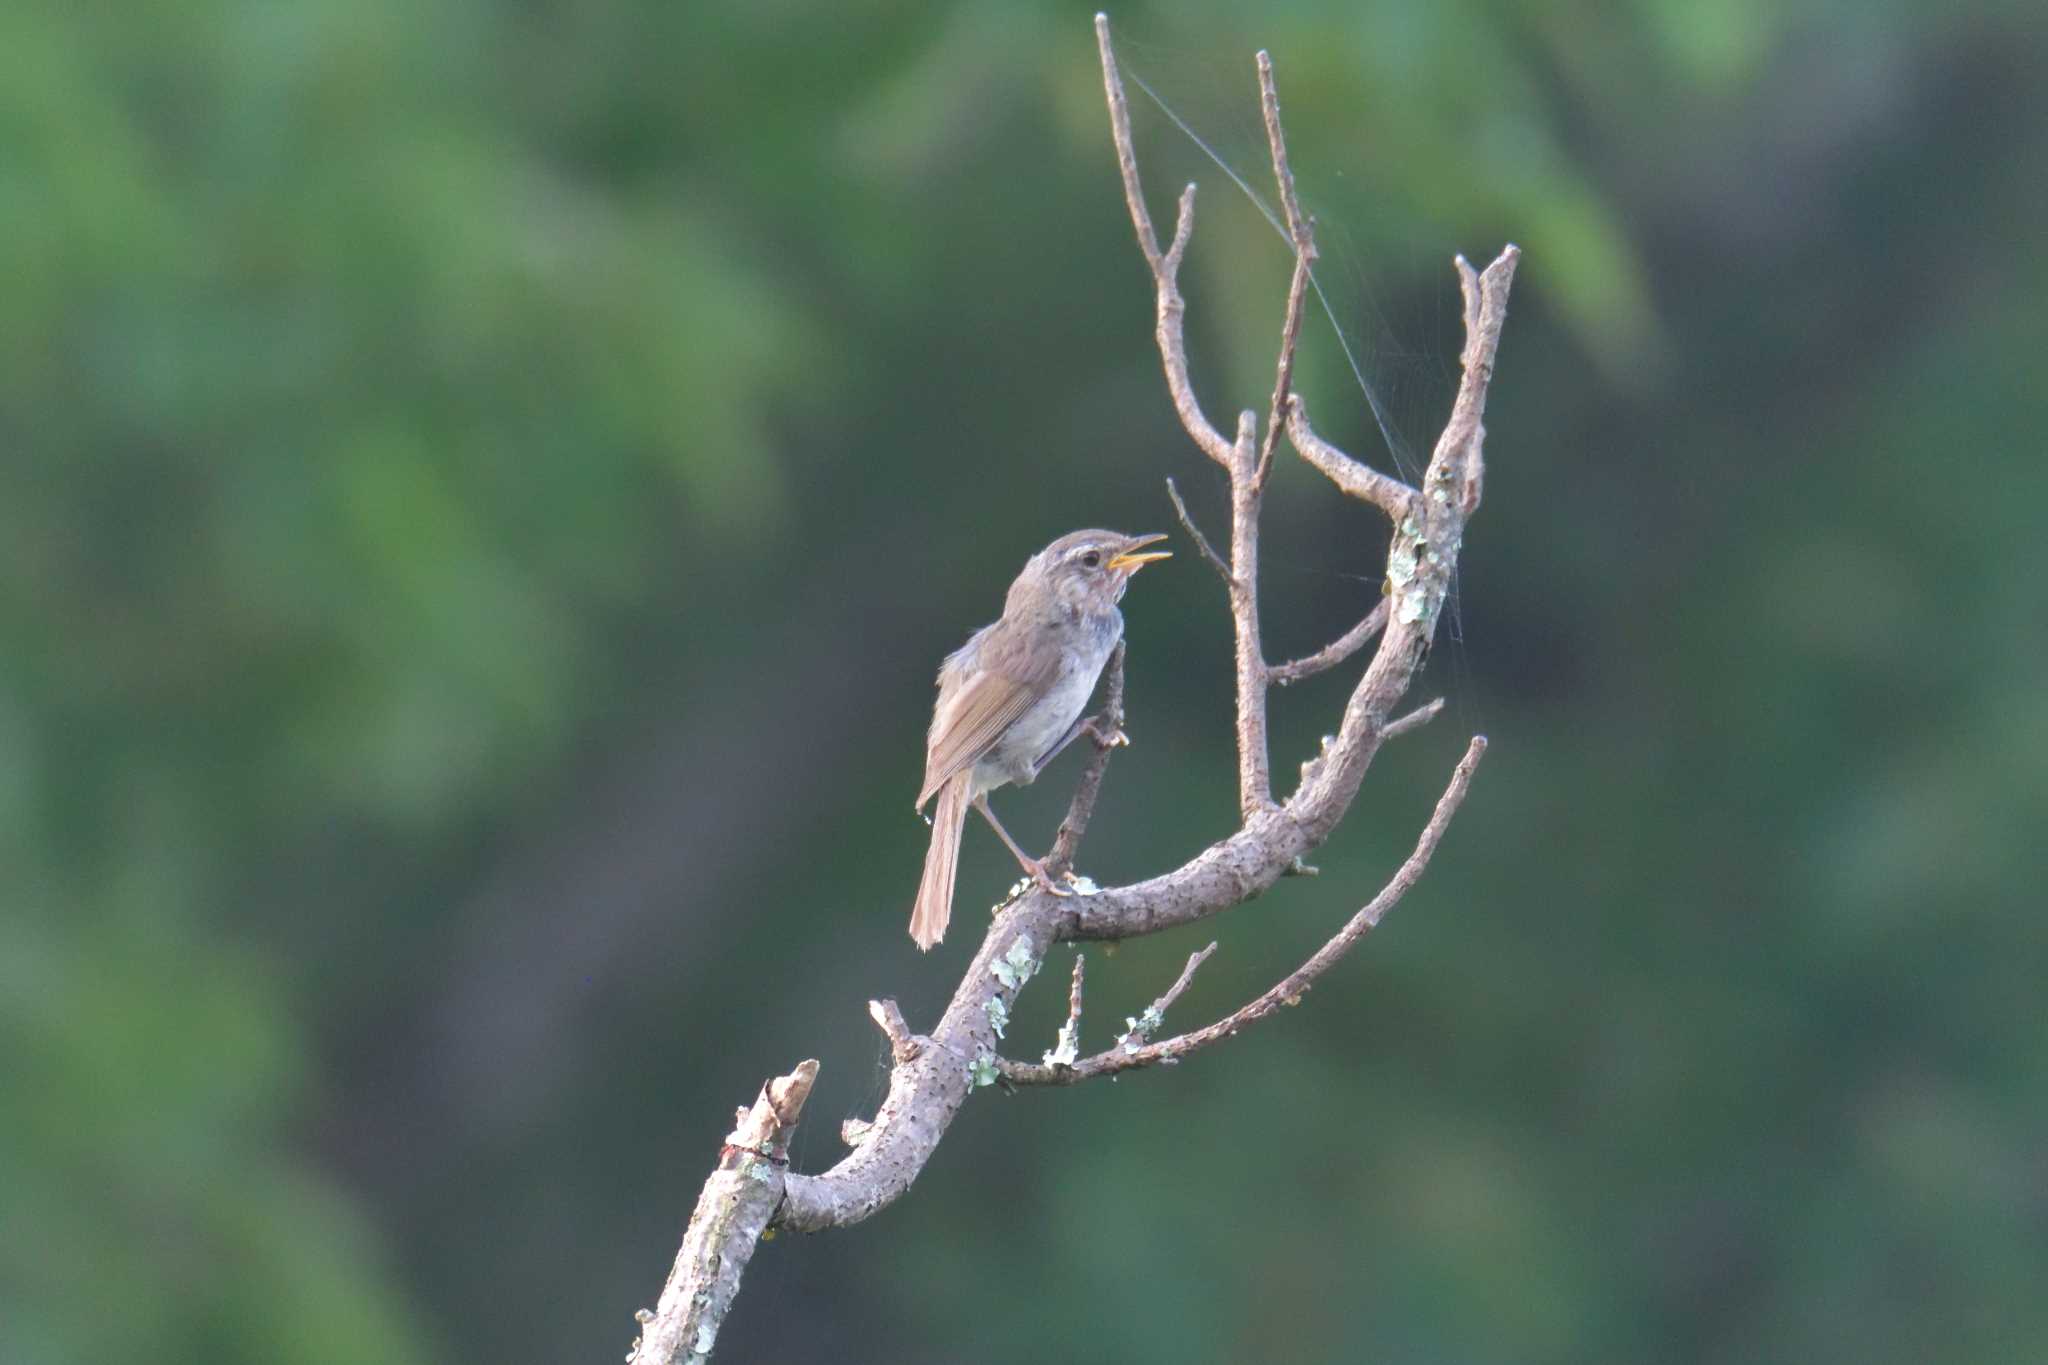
(1137, 1030)
(982, 1070)
(1017, 965)
(1066, 1048)
(1401, 563)
(998, 1014)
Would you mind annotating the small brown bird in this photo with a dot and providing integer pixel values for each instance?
(1012, 696)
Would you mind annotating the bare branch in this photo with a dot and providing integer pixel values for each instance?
(1301, 234)
(1334, 653)
(1421, 559)
(1066, 842)
(927, 1090)
(732, 1212)
(1180, 509)
(1276, 142)
(1486, 312)
(1249, 467)
(903, 1044)
(1140, 1029)
(1414, 720)
(1355, 477)
(1137, 1034)
(1297, 983)
(1170, 308)
(932, 1076)
(1126, 152)
(1283, 380)
(1242, 457)
(1068, 1045)
(1254, 778)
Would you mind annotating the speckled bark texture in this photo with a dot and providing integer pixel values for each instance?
(732, 1212)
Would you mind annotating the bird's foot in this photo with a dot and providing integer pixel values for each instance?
(1105, 736)
(1067, 884)
(1045, 881)
(1036, 875)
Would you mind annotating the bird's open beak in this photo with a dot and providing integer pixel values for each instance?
(1130, 561)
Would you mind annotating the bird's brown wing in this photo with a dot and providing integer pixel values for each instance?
(982, 689)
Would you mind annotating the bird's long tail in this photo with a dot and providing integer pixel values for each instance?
(935, 892)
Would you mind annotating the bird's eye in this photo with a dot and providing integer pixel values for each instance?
(1093, 559)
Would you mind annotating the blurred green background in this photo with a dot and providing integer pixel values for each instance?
(486, 487)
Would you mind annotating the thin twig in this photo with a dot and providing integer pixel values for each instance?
(1187, 521)
(1335, 652)
(1301, 235)
(1139, 1031)
(1169, 328)
(1066, 842)
(1068, 1045)
(1276, 142)
(1393, 729)
(1126, 152)
(1136, 1035)
(1355, 477)
(888, 1017)
(1297, 983)
(1414, 720)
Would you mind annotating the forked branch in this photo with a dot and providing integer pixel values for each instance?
(1169, 307)
(932, 1075)
(1133, 1052)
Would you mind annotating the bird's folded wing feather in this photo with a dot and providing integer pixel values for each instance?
(982, 689)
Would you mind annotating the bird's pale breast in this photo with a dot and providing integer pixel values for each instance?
(1014, 757)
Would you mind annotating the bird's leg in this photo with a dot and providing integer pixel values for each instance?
(1092, 727)
(1032, 867)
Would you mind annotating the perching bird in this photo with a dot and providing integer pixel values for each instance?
(1011, 697)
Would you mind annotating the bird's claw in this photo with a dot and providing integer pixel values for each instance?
(1045, 881)
(1039, 878)
(1111, 738)
(1048, 885)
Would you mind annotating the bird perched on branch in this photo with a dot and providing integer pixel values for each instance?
(1011, 698)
